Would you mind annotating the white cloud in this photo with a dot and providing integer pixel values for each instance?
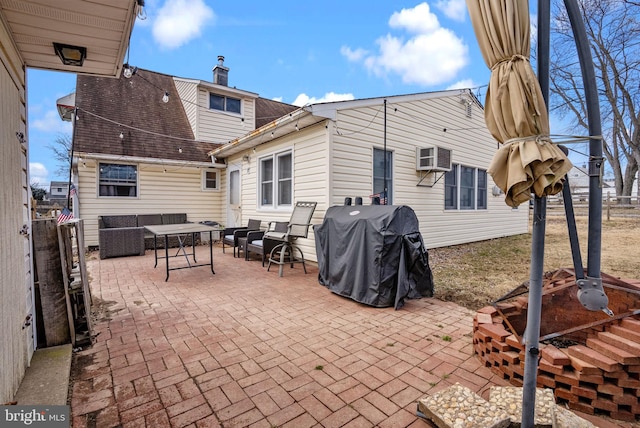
(353, 55)
(39, 175)
(463, 84)
(432, 55)
(453, 9)
(533, 29)
(179, 21)
(304, 99)
(51, 122)
(417, 20)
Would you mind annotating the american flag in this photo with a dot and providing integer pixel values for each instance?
(65, 215)
(72, 190)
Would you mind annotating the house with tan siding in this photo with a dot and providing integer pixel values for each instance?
(264, 156)
(437, 151)
(28, 31)
(141, 144)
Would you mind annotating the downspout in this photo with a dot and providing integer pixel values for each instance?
(384, 155)
(73, 138)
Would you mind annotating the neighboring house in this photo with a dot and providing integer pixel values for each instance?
(58, 192)
(137, 153)
(29, 29)
(437, 153)
(579, 185)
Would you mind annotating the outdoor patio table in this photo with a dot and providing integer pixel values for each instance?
(181, 231)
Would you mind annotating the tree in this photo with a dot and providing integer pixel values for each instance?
(37, 192)
(61, 148)
(613, 29)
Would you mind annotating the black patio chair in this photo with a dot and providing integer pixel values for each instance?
(231, 234)
(257, 243)
(298, 227)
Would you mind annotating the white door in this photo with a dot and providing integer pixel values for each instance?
(234, 209)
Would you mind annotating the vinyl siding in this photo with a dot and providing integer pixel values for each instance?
(16, 285)
(188, 93)
(177, 190)
(442, 122)
(219, 126)
(334, 160)
(309, 148)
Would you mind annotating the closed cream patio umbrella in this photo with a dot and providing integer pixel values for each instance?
(527, 162)
(515, 112)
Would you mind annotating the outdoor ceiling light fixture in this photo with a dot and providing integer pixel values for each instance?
(70, 55)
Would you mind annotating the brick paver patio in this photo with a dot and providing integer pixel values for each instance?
(245, 347)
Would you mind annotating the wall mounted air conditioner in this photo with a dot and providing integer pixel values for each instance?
(433, 158)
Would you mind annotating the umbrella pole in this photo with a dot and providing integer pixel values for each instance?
(534, 307)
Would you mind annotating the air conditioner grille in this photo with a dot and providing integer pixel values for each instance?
(444, 158)
(433, 159)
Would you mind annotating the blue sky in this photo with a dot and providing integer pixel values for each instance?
(295, 52)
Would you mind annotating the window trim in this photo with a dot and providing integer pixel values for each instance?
(225, 110)
(203, 176)
(274, 206)
(454, 203)
(137, 185)
(456, 206)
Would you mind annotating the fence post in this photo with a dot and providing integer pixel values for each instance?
(608, 206)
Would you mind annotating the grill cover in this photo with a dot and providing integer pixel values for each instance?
(373, 254)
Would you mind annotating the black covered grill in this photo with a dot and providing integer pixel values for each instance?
(373, 254)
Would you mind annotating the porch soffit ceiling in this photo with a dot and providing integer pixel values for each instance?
(103, 27)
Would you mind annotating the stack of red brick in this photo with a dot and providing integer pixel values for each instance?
(601, 376)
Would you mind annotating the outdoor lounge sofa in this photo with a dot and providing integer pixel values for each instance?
(125, 235)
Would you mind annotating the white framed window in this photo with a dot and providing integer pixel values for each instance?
(118, 180)
(210, 179)
(275, 184)
(222, 103)
(465, 188)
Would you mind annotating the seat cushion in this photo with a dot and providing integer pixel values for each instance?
(257, 243)
(275, 235)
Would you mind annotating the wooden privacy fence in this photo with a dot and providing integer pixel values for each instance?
(63, 299)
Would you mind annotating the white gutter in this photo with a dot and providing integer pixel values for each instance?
(154, 161)
(245, 141)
